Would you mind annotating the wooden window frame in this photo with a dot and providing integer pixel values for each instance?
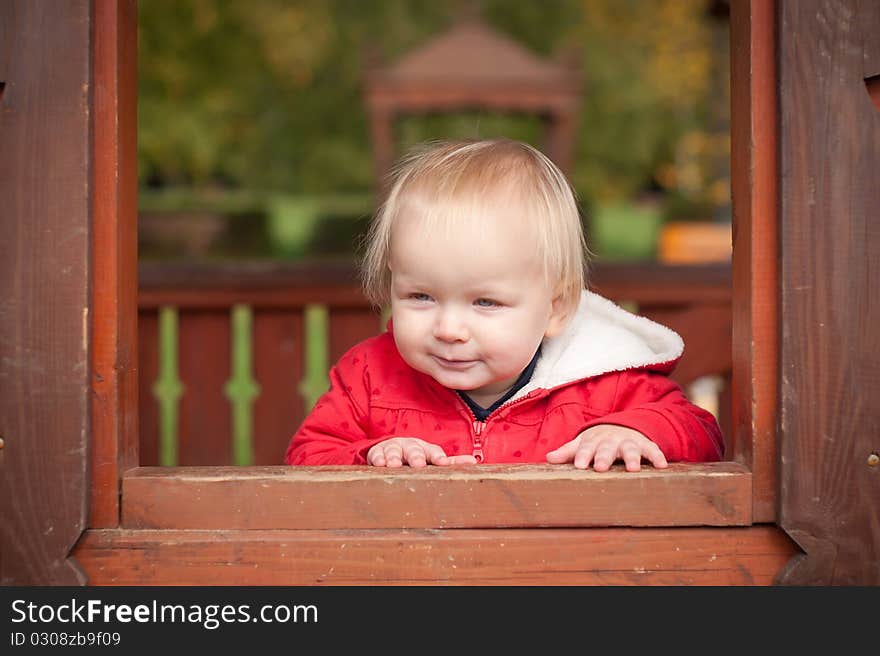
(253, 504)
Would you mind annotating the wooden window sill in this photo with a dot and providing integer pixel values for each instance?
(483, 496)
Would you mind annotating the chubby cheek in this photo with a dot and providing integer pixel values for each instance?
(510, 329)
(408, 339)
(512, 349)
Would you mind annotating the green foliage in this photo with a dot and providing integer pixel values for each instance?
(266, 94)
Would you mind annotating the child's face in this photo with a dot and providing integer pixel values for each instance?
(470, 308)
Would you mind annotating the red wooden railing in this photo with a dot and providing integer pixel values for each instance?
(693, 300)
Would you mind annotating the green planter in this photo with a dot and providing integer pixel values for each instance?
(624, 232)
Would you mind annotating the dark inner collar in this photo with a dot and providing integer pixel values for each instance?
(482, 413)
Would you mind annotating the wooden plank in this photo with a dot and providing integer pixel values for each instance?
(656, 283)
(611, 556)
(45, 314)
(114, 384)
(223, 298)
(148, 373)
(830, 418)
(754, 175)
(294, 286)
(246, 275)
(205, 435)
(716, 494)
(278, 368)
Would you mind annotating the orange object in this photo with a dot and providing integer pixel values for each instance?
(683, 242)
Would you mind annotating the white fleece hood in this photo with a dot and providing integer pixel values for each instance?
(602, 337)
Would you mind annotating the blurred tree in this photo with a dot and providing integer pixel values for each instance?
(266, 94)
(648, 76)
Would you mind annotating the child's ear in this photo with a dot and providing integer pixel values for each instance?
(560, 312)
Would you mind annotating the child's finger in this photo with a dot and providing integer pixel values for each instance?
(565, 453)
(632, 456)
(436, 455)
(393, 455)
(653, 453)
(584, 455)
(606, 454)
(376, 455)
(415, 456)
(461, 460)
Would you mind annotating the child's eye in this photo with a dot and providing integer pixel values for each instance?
(418, 296)
(485, 303)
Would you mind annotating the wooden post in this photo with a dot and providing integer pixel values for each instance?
(754, 173)
(114, 257)
(830, 237)
(45, 314)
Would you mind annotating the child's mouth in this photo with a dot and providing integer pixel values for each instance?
(458, 365)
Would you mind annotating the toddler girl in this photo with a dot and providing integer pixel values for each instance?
(495, 351)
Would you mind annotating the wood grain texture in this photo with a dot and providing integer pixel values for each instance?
(44, 288)
(205, 355)
(717, 494)
(114, 383)
(830, 418)
(613, 556)
(755, 307)
(279, 351)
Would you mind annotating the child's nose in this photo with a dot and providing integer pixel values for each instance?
(450, 327)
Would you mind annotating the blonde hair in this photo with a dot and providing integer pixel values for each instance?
(448, 181)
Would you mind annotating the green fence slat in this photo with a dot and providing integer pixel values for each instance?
(168, 387)
(241, 389)
(317, 349)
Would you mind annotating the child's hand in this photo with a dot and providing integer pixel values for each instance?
(605, 443)
(412, 451)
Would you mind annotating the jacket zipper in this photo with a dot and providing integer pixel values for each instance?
(478, 441)
(478, 426)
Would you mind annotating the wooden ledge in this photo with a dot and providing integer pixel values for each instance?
(485, 496)
(751, 555)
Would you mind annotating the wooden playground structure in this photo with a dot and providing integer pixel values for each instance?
(791, 324)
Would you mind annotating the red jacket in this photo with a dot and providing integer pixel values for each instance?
(608, 367)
